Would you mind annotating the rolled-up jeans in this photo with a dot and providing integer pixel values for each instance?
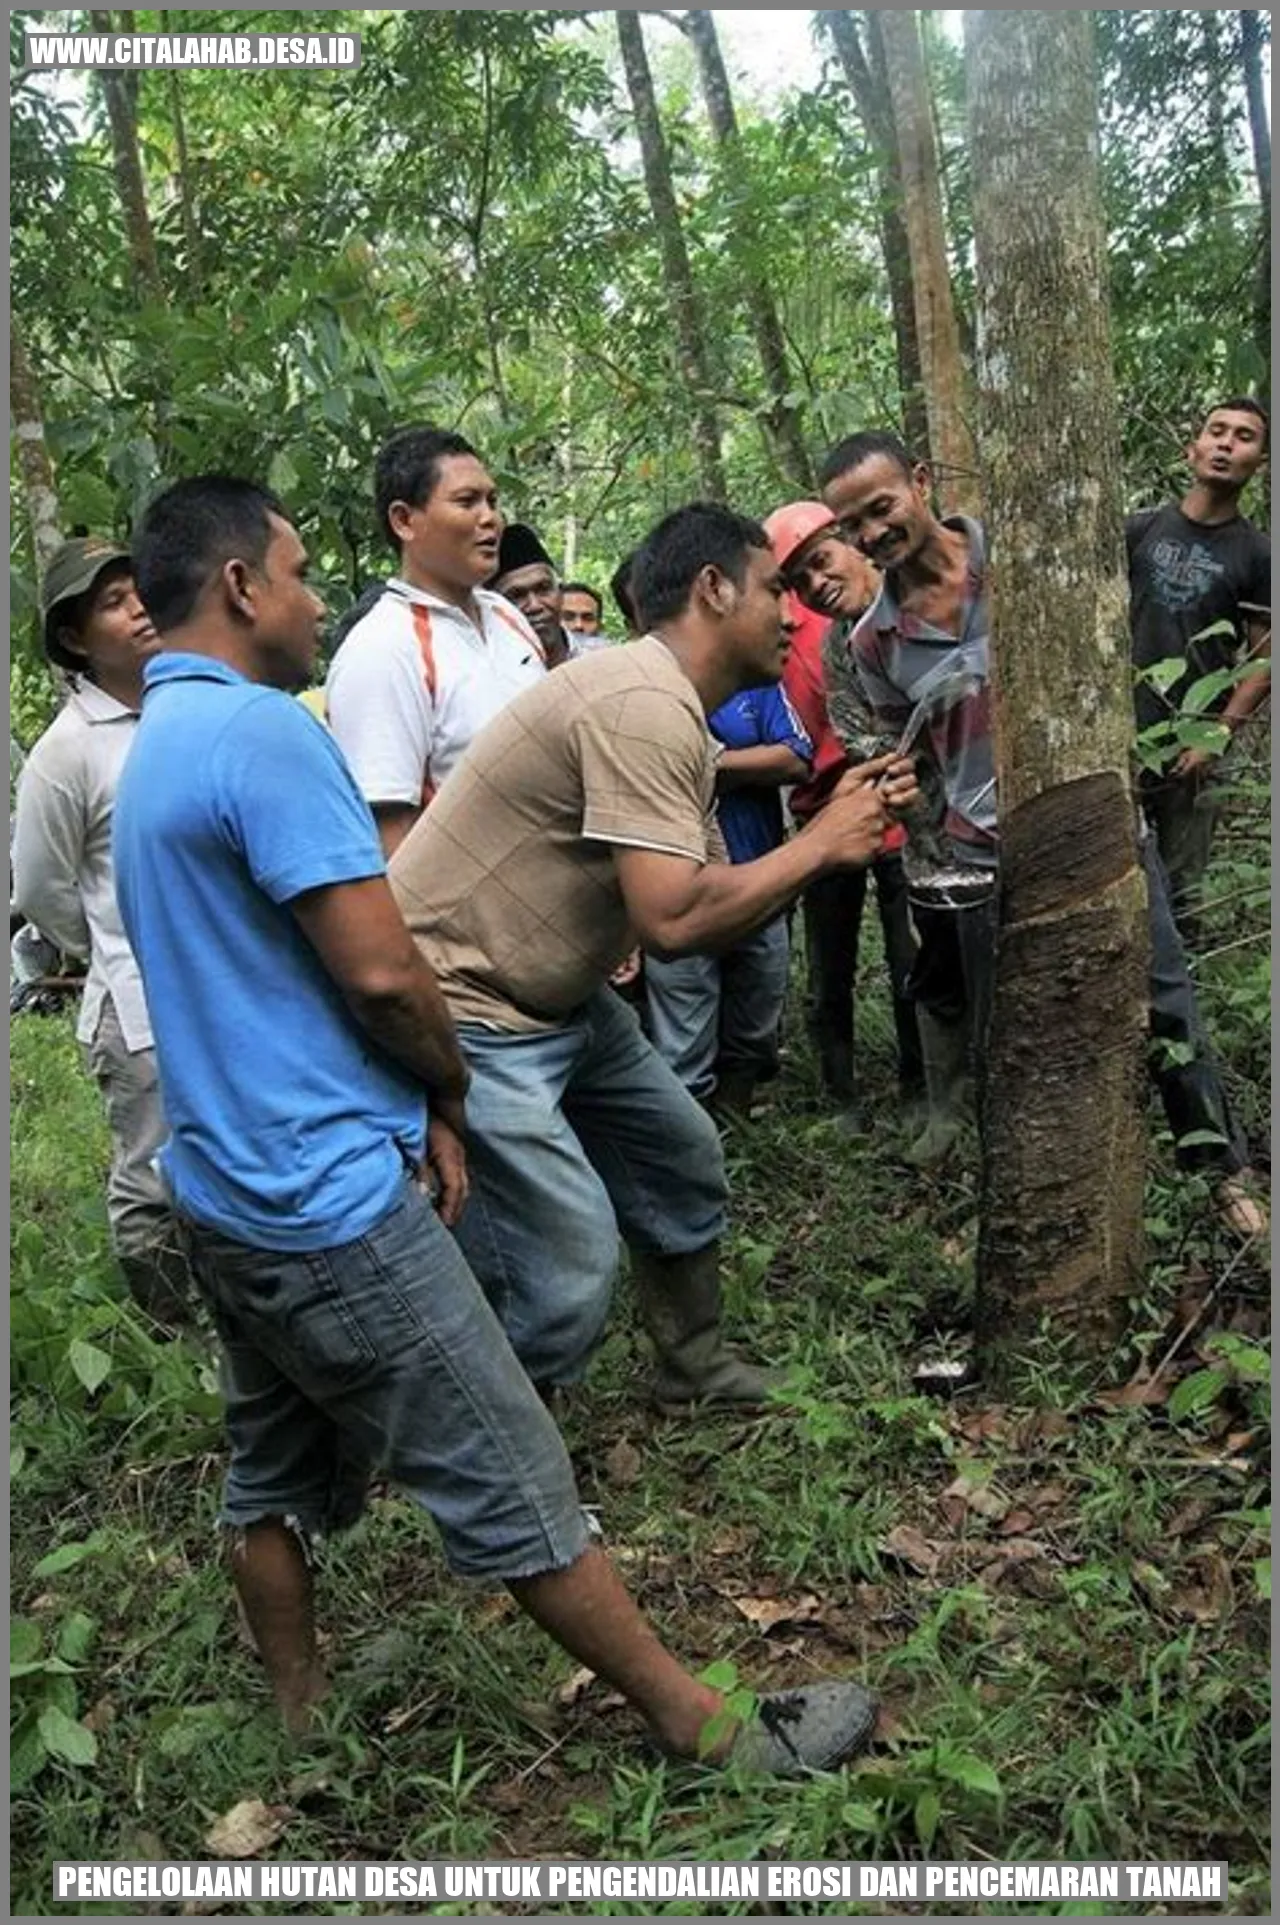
(382, 1354)
(576, 1134)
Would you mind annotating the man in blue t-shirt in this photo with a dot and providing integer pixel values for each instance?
(715, 1019)
(314, 1086)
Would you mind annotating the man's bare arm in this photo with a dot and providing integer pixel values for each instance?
(679, 907)
(394, 820)
(771, 765)
(1250, 693)
(361, 938)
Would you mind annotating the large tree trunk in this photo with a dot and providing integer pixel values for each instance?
(691, 350)
(34, 466)
(950, 438)
(783, 419)
(1063, 1152)
(115, 84)
(864, 73)
(1260, 134)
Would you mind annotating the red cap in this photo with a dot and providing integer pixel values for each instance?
(791, 527)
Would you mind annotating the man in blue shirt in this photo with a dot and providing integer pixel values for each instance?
(314, 1086)
(715, 1019)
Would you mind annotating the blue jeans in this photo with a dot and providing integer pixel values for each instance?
(720, 1012)
(382, 1354)
(578, 1133)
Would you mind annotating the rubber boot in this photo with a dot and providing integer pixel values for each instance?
(733, 1094)
(679, 1300)
(161, 1285)
(946, 1049)
(835, 1062)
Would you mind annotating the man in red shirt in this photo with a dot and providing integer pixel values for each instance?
(833, 905)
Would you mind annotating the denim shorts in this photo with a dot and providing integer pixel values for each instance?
(382, 1355)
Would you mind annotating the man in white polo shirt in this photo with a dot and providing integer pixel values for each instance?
(438, 655)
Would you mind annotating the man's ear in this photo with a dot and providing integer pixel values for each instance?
(239, 588)
(922, 478)
(400, 519)
(716, 590)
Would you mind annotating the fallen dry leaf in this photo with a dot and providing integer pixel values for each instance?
(730, 1542)
(573, 1687)
(247, 1829)
(766, 1612)
(873, 1600)
(1016, 1523)
(100, 1715)
(912, 1548)
(1211, 1598)
(1142, 1393)
(978, 1497)
(954, 1512)
(984, 1424)
(888, 1728)
(623, 1463)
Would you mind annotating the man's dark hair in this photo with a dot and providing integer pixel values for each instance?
(408, 468)
(673, 555)
(585, 588)
(857, 448)
(190, 532)
(620, 589)
(1241, 404)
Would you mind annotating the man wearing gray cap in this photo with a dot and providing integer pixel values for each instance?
(98, 634)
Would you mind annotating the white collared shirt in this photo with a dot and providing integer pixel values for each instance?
(416, 680)
(63, 879)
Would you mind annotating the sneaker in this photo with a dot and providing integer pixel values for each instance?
(813, 1728)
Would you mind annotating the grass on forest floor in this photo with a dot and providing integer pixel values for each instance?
(1060, 1598)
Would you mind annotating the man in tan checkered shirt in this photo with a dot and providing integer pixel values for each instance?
(578, 824)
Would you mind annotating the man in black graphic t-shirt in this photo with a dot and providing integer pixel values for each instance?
(1194, 564)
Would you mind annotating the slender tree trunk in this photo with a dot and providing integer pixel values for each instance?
(34, 466)
(864, 76)
(186, 182)
(128, 170)
(950, 438)
(783, 419)
(1260, 134)
(691, 347)
(1063, 1153)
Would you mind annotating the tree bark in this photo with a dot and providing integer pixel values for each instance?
(783, 419)
(950, 437)
(128, 171)
(1063, 1154)
(691, 350)
(34, 466)
(865, 77)
(1260, 134)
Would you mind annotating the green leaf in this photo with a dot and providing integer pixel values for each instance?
(927, 1813)
(962, 1768)
(65, 1558)
(76, 1636)
(1162, 675)
(66, 1738)
(1196, 1392)
(90, 1364)
(282, 476)
(17, 1458)
(1262, 1577)
(24, 1641)
(27, 1754)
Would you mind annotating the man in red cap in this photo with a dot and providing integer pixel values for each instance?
(802, 535)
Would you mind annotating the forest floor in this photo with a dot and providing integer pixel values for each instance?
(1061, 1597)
